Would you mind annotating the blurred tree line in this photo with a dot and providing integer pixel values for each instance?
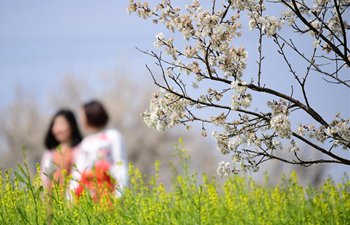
(25, 121)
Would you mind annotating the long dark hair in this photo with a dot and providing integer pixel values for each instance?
(51, 142)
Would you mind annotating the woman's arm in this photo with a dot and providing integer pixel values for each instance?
(47, 168)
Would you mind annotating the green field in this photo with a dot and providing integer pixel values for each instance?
(190, 200)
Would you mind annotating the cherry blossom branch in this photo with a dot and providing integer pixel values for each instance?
(342, 25)
(315, 66)
(296, 10)
(340, 159)
(307, 109)
(299, 162)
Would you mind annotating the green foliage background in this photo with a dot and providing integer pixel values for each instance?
(190, 201)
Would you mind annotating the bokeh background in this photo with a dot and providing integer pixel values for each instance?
(57, 54)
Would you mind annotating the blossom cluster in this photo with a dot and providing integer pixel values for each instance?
(280, 121)
(165, 110)
(224, 169)
(240, 98)
(168, 43)
(207, 30)
(338, 132)
(324, 17)
(268, 24)
(235, 140)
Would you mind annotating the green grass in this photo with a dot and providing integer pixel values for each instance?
(189, 201)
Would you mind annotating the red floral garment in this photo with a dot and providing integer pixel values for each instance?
(108, 146)
(97, 181)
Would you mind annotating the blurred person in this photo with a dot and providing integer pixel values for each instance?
(100, 160)
(62, 136)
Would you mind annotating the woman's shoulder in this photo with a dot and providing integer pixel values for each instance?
(112, 131)
(48, 153)
(105, 135)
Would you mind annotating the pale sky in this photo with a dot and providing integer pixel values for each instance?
(41, 40)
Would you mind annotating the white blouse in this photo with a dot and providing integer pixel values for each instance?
(107, 145)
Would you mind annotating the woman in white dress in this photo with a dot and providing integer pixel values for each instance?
(100, 159)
